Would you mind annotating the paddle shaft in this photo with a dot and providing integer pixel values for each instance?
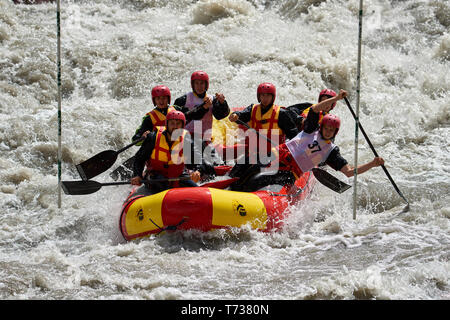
(374, 151)
(90, 186)
(130, 145)
(145, 181)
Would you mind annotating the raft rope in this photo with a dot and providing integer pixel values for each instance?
(170, 228)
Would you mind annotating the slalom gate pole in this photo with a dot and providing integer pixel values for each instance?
(58, 27)
(358, 91)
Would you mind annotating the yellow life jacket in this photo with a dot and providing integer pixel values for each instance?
(158, 118)
(167, 159)
(268, 121)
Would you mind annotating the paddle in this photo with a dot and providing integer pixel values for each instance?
(376, 155)
(330, 181)
(101, 162)
(125, 170)
(90, 186)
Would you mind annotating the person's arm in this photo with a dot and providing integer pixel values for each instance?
(338, 163)
(299, 107)
(335, 159)
(326, 105)
(311, 123)
(181, 101)
(220, 108)
(244, 115)
(142, 156)
(296, 112)
(146, 125)
(348, 170)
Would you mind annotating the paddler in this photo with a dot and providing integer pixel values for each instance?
(162, 152)
(216, 106)
(310, 148)
(268, 118)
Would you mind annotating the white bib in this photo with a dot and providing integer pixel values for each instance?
(309, 149)
(206, 123)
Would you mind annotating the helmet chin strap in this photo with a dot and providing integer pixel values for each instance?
(201, 95)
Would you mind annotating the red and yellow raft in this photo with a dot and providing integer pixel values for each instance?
(205, 209)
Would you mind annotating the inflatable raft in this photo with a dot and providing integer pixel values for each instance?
(205, 209)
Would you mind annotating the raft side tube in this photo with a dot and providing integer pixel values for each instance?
(192, 208)
(206, 209)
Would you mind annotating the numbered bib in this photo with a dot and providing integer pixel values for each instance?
(309, 149)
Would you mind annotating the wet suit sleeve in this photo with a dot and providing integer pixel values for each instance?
(287, 124)
(311, 122)
(220, 110)
(246, 114)
(299, 107)
(335, 160)
(146, 124)
(143, 154)
(181, 101)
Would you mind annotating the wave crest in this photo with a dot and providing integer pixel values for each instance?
(206, 12)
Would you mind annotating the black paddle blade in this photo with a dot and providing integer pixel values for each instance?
(124, 171)
(80, 187)
(330, 181)
(97, 164)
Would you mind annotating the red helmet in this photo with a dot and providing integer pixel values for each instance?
(329, 93)
(266, 87)
(331, 120)
(160, 91)
(200, 75)
(176, 115)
